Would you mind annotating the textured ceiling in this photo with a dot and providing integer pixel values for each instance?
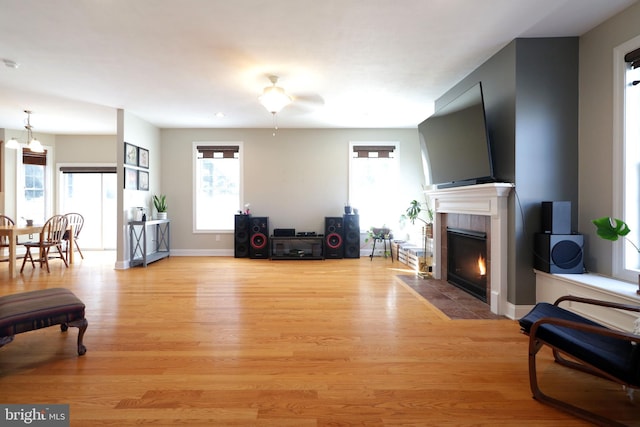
(175, 64)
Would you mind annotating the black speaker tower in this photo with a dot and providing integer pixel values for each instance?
(333, 237)
(241, 236)
(259, 237)
(351, 236)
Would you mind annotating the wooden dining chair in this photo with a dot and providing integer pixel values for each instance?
(77, 221)
(50, 237)
(4, 240)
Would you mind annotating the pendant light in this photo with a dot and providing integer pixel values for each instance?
(32, 143)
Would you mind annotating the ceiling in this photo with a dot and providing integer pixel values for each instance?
(176, 63)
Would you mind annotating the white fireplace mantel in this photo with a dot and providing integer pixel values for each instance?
(481, 199)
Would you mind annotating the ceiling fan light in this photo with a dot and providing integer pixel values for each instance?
(13, 144)
(274, 99)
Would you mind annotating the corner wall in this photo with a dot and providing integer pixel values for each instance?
(142, 134)
(531, 101)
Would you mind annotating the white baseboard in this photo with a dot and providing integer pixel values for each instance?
(202, 252)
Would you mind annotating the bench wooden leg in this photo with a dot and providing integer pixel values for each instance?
(81, 324)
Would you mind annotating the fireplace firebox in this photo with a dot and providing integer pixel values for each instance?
(467, 261)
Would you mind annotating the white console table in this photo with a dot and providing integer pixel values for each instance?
(138, 247)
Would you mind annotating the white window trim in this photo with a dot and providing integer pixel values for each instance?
(619, 77)
(194, 157)
(49, 187)
(396, 152)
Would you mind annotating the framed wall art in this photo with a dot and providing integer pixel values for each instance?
(143, 157)
(130, 154)
(130, 179)
(143, 180)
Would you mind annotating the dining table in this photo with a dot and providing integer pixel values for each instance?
(13, 231)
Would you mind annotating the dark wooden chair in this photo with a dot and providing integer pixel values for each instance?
(4, 240)
(77, 221)
(592, 348)
(50, 237)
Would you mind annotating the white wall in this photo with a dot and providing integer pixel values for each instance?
(595, 143)
(140, 133)
(86, 149)
(295, 178)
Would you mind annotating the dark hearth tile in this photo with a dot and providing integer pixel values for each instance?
(452, 301)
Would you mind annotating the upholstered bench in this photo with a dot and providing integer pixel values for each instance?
(28, 311)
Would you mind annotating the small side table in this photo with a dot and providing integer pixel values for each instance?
(383, 235)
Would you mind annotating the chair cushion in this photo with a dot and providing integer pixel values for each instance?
(615, 356)
(28, 311)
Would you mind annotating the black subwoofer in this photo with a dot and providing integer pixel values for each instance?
(333, 237)
(351, 236)
(259, 237)
(559, 253)
(241, 236)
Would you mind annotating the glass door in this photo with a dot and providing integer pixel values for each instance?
(94, 196)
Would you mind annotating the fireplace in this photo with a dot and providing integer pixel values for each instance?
(476, 201)
(467, 261)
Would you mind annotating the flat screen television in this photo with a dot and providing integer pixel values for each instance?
(455, 142)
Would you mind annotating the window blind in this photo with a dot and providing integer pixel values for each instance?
(373, 151)
(31, 158)
(88, 169)
(218, 151)
(633, 58)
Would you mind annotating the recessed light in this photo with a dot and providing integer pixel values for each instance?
(220, 115)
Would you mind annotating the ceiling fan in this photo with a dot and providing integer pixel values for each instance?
(274, 98)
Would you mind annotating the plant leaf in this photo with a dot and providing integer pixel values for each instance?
(611, 228)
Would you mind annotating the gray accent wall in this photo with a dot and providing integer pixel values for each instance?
(531, 99)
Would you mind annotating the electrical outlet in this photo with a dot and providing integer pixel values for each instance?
(217, 237)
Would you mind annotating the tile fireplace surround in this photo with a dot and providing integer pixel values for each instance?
(485, 200)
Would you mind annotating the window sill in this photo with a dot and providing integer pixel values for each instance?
(550, 287)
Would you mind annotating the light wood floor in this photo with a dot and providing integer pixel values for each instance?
(212, 341)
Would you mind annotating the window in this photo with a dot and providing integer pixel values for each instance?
(373, 183)
(626, 264)
(33, 201)
(217, 185)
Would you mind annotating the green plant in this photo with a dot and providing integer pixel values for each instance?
(160, 202)
(612, 228)
(414, 210)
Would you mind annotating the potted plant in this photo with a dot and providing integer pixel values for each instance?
(413, 213)
(160, 203)
(613, 228)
